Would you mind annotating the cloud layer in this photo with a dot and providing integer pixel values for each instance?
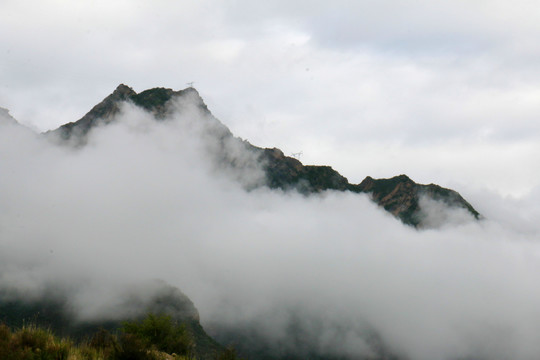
(144, 200)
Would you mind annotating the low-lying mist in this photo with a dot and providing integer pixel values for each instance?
(145, 200)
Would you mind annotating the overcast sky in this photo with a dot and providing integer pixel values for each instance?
(444, 91)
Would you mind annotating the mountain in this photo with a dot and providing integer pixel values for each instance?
(402, 197)
(52, 310)
(399, 195)
(153, 100)
(253, 167)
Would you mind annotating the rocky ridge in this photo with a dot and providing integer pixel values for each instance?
(398, 195)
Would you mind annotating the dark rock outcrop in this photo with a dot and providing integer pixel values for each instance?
(287, 173)
(401, 197)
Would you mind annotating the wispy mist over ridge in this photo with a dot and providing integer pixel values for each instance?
(144, 200)
(398, 195)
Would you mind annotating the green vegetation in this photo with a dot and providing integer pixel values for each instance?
(32, 343)
(161, 333)
(156, 337)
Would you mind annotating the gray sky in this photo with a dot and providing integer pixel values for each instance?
(444, 91)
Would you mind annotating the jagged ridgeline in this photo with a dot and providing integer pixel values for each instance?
(400, 195)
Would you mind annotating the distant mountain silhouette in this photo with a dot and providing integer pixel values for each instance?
(399, 195)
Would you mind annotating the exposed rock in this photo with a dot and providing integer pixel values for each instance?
(102, 113)
(400, 196)
(286, 172)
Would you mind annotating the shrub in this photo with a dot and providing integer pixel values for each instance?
(32, 343)
(133, 348)
(227, 354)
(161, 333)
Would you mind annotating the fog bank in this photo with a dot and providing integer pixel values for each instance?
(145, 200)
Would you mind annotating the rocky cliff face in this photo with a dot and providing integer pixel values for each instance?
(398, 195)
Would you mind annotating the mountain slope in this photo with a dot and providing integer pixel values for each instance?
(401, 197)
(398, 195)
(53, 310)
(153, 100)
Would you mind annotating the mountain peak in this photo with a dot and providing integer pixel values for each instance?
(123, 90)
(155, 100)
(398, 195)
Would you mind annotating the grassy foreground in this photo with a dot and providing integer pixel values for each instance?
(156, 337)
